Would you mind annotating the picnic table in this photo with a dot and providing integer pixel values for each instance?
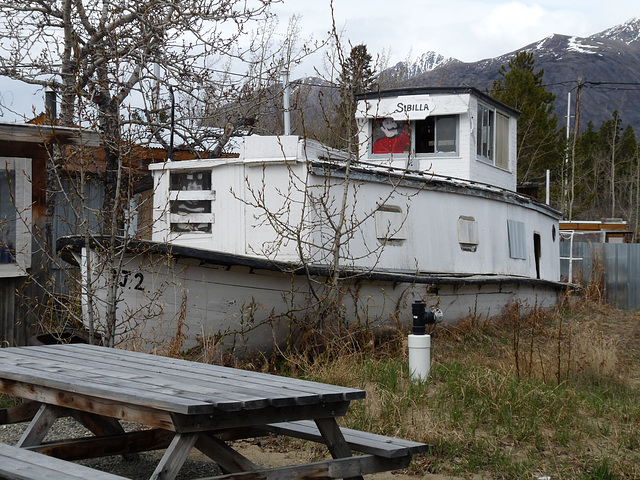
(182, 405)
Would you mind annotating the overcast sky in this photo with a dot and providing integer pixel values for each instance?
(468, 30)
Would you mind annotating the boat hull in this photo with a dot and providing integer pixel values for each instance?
(185, 298)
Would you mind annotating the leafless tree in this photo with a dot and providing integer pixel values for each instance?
(138, 71)
(319, 212)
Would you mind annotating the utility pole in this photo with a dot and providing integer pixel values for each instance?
(637, 209)
(575, 142)
(565, 168)
(614, 138)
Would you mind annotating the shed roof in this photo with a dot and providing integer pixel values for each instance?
(29, 140)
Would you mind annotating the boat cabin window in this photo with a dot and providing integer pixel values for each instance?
(517, 240)
(492, 136)
(390, 225)
(436, 135)
(191, 208)
(191, 180)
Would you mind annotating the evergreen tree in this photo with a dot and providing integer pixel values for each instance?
(356, 76)
(540, 144)
(607, 172)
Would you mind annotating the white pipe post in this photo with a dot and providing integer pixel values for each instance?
(548, 186)
(420, 342)
(419, 357)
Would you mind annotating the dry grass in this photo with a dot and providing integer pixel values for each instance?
(532, 394)
(543, 394)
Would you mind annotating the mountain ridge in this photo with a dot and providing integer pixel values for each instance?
(606, 63)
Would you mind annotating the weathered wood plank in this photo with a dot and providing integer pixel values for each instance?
(248, 418)
(175, 456)
(330, 392)
(116, 392)
(225, 393)
(337, 468)
(51, 373)
(20, 464)
(226, 457)
(19, 413)
(97, 424)
(231, 379)
(335, 442)
(107, 407)
(94, 447)
(39, 426)
(31, 133)
(100, 426)
(359, 441)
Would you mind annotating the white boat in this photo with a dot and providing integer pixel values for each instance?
(242, 247)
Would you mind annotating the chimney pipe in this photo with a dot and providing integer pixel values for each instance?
(51, 113)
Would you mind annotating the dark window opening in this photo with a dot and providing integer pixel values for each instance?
(433, 135)
(186, 207)
(191, 180)
(537, 252)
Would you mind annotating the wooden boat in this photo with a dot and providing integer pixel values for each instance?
(243, 248)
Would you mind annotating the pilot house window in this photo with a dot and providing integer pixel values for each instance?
(493, 136)
(433, 135)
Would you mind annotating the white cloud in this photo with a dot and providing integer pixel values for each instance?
(509, 21)
(469, 30)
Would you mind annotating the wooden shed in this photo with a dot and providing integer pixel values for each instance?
(24, 150)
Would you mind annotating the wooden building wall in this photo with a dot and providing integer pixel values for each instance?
(14, 329)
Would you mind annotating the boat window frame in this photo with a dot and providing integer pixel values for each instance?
(412, 128)
(191, 190)
(492, 136)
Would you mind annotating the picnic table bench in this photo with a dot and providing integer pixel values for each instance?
(21, 464)
(184, 405)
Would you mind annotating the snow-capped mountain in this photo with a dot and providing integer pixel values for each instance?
(607, 64)
(628, 32)
(424, 63)
(429, 61)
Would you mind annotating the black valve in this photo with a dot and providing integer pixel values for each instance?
(422, 317)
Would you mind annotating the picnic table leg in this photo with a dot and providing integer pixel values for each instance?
(336, 443)
(175, 456)
(226, 457)
(39, 426)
